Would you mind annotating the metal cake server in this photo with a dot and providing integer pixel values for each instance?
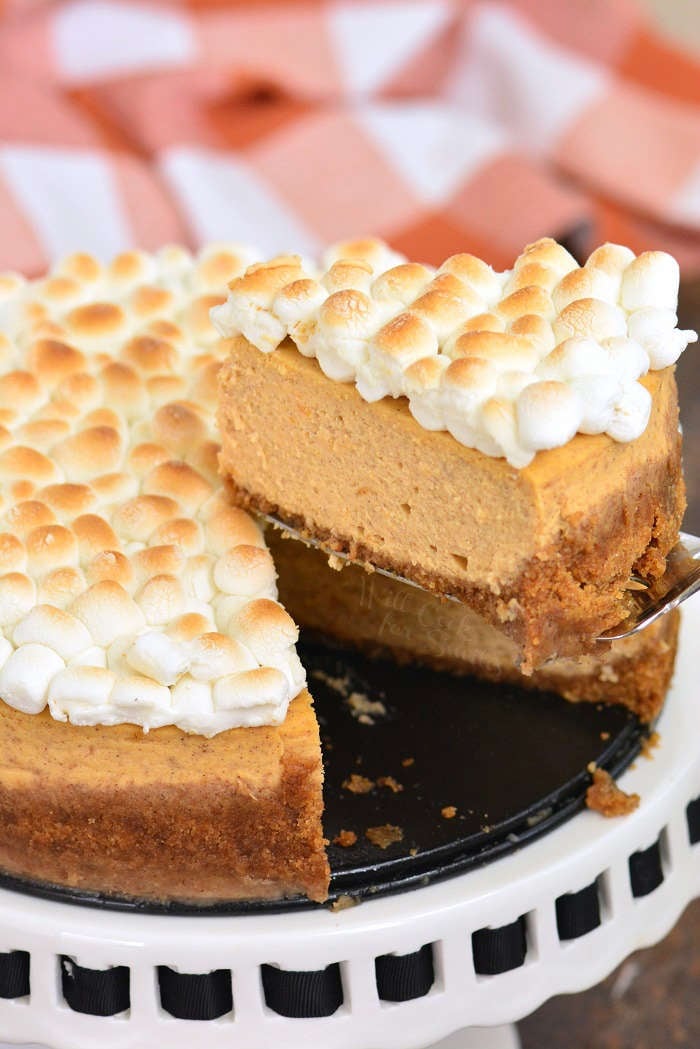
(648, 601)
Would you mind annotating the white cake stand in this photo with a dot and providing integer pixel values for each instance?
(638, 872)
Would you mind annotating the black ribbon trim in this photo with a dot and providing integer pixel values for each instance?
(578, 913)
(692, 814)
(302, 994)
(97, 992)
(14, 974)
(646, 872)
(195, 996)
(501, 949)
(403, 977)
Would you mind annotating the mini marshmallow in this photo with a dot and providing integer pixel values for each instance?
(17, 597)
(498, 418)
(650, 280)
(585, 283)
(214, 655)
(250, 689)
(347, 274)
(597, 395)
(158, 656)
(629, 360)
(26, 676)
(574, 357)
(61, 631)
(192, 704)
(139, 696)
(245, 571)
(548, 415)
(655, 330)
(79, 686)
(477, 275)
(590, 318)
(264, 626)
(161, 599)
(94, 656)
(394, 348)
(108, 612)
(402, 284)
(630, 414)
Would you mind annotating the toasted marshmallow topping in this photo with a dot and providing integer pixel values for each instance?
(130, 590)
(509, 363)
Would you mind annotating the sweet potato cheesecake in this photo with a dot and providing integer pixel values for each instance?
(509, 439)
(157, 739)
(156, 736)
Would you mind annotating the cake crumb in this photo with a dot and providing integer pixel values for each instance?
(448, 812)
(365, 709)
(343, 903)
(336, 563)
(605, 736)
(385, 835)
(413, 852)
(604, 795)
(341, 685)
(358, 784)
(407, 762)
(345, 839)
(649, 745)
(390, 783)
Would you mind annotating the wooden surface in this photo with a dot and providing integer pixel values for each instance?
(651, 1001)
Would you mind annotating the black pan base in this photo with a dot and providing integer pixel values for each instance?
(470, 771)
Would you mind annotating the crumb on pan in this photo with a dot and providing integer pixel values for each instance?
(384, 836)
(448, 812)
(365, 709)
(388, 781)
(345, 839)
(649, 745)
(604, 795)
(344, 902)
(358, 784)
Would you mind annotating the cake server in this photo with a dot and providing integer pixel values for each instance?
(648, 601)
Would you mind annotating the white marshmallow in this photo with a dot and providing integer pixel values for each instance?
(548, 415)
(157, 656)
(655, 330)
(79, 687)
(652, 279)
(61, 631)
(630, 414)
(26, 676)
(215, 655)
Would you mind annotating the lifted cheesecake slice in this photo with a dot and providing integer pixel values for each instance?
(508, 439)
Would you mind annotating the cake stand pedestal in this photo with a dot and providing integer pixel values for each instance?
(480, 949)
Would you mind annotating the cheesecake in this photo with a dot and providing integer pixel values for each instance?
(508, 439)
(157, 740)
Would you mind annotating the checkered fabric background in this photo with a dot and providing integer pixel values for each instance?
(442, 125)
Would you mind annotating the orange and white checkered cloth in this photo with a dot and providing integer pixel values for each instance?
(442, 125)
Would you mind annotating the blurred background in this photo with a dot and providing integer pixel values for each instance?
(441, 125)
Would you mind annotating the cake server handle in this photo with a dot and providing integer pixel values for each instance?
(651, 601)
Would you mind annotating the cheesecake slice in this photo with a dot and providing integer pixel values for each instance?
(157, 739)
(510, 439)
